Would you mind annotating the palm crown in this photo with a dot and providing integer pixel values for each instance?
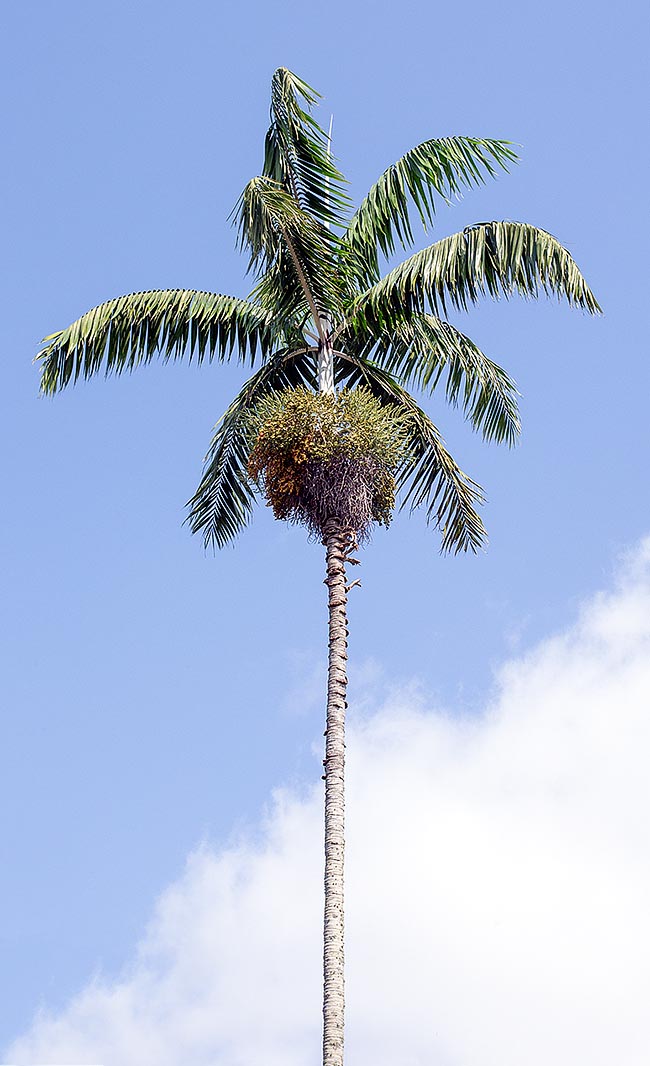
(322, 315)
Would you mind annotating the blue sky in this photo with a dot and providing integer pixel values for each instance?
(153, 695)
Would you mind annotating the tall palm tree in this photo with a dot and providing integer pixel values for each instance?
(322, 315)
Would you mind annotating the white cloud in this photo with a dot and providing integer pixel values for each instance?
(498, 884)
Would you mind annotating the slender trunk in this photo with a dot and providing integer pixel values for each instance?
(326, 361)
(336, 542)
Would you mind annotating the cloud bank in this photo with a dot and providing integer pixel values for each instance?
(497, 896)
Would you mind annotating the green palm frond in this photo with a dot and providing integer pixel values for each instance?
(265, 212)
(429, 477)
(420, 351)
(123, 333)
(489, 259)
(437, 168)
(221, 506)
(317, 279)
(297, 153)
(280, 291)
(291, 247)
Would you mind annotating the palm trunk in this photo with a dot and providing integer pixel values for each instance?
(326, 363)
(336, 542)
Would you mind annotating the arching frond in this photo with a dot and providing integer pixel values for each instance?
(429, 477)
(419, 352)
(123, 333)
(221, 506)
(316, 278)
(291, 247)
(297, 154)
(436, 169)
(489, 259)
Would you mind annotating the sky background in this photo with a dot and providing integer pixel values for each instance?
(154, 696)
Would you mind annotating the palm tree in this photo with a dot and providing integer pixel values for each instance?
(321, 315)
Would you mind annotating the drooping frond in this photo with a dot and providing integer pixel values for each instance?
(291, 247)
(438, 168)
(429, 477)
(221, 506)
(123, 333)
(297, 154)
(489, 259)
(317, 279)
(420, 351)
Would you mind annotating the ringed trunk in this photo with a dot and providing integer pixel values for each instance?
(336, 542)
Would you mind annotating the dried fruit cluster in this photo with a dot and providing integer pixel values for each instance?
(322, 456)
